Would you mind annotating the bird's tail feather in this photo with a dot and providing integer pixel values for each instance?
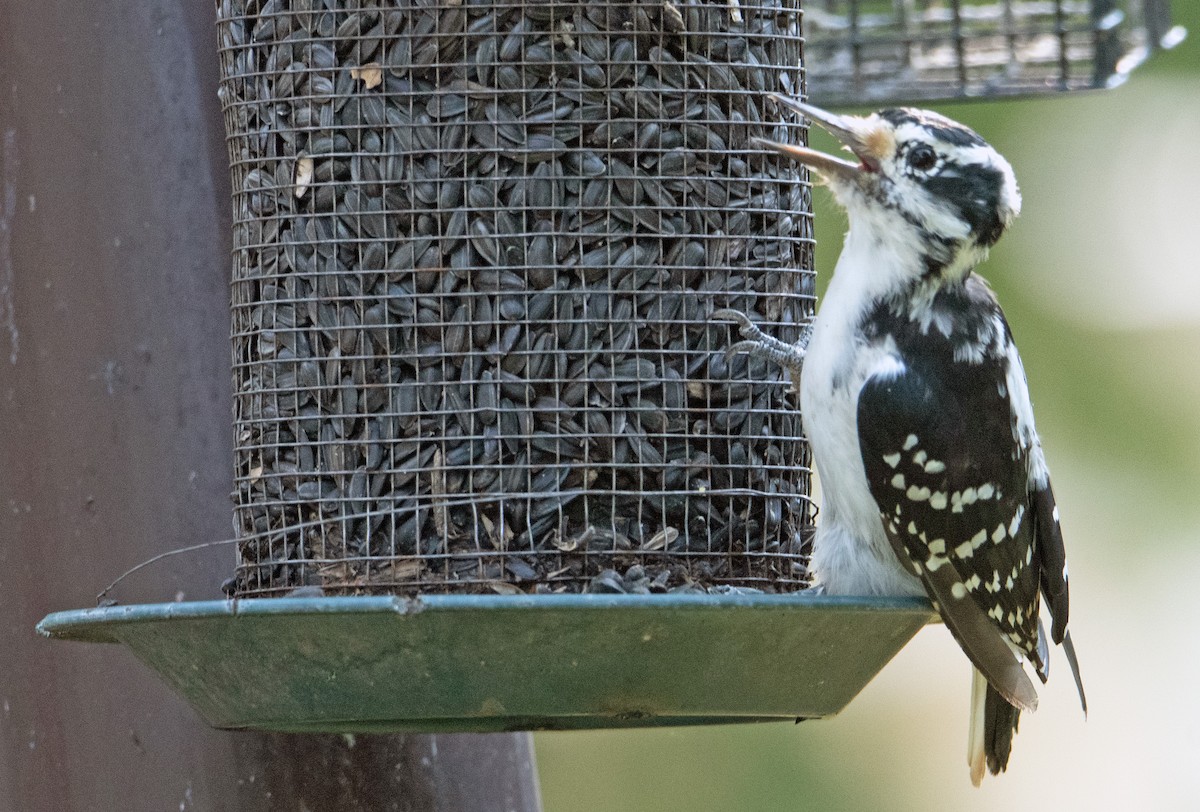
(993, 723)
(1069, 649)
(975, 754)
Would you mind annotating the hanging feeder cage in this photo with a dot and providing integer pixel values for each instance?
(875, 52)
(494, 469)
(476, 247)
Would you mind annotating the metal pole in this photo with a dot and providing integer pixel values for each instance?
(115, 438)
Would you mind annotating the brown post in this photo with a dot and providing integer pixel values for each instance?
(115, 438)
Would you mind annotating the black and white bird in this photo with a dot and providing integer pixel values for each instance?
(915, 403)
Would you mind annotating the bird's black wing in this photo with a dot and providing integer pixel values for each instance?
(1053, 557)
(951, 482)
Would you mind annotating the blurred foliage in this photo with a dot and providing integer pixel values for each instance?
(1096, 279)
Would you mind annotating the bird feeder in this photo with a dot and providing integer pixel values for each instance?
(494, 468)
(871, 52)
(476, 250)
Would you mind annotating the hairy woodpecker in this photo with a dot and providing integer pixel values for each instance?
(915, 403)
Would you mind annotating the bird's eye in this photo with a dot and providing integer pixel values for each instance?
(922, 158)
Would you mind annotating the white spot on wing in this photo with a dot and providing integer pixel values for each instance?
(892, 459)
(970, 352)
(1016, 521)
(909, 442)
(917, 494)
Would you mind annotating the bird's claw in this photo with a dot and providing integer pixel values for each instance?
(759, 344)
(729, 314)
(750, 331)
(750, 345)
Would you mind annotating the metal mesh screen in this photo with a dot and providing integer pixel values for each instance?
(876, 51)
(476, 245)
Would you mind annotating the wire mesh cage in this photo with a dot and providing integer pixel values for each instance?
(476, 246)
(875, 51)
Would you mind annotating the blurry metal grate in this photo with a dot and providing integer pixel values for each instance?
(862, 52)
(476, 245)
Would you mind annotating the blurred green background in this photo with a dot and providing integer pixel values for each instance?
(1099, 278)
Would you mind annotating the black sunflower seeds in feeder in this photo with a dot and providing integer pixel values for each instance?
(476, 249)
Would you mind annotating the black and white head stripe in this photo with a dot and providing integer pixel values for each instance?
(969, 177)
(938, 126)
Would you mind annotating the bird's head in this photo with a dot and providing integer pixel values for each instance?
(918, 178)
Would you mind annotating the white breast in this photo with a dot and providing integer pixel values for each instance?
(851, 553)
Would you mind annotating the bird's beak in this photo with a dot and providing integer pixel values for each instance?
(847, 130)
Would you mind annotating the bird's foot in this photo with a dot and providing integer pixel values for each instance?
(760, 345)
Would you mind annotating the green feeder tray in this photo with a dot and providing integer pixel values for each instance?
(491, 663)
